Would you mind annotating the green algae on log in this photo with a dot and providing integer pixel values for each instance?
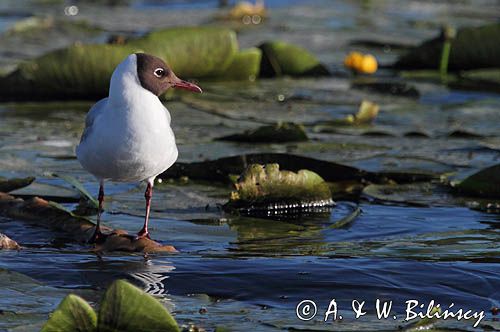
(84, 71)
(281, 58)
(245, 65)
(50, 215)
(473, 48)
(278, 133)
(266, 187)
(124, 307)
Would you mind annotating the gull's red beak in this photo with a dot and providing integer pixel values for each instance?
(181, 84)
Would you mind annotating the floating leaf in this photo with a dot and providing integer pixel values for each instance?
(125, 308)
(482, 75)
(418, 194)
(479, 79)
(81, 189)
(192, 51)
(7, 185)
(280, 58)
(484, 183)
(220, 169)
(280, 132)
(392, 88)
(48, 192)
(245, 65)
(72, 314)
(384, 45)
(265, 186)
(84, 71)
(473, 47)
(42, 26)
(464, 133)
(475, 79)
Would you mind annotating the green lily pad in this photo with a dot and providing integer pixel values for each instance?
(278, 133)
(245, 65)
(72, 314)
(192, 51)
(281, 58)
(79, 71)
(484, 183)
(126, 308)
(267, 187)
(473, 47)
(7, 185)
(84, 71)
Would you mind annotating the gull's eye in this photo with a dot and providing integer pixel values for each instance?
(159, 72)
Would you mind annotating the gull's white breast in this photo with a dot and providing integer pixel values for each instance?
(128, 142)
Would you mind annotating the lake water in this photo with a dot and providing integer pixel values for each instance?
(251, 273)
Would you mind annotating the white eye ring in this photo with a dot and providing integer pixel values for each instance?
(159, 72)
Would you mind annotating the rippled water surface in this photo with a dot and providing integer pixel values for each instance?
(250, 273)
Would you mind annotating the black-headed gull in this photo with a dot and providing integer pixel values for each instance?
(127, 135)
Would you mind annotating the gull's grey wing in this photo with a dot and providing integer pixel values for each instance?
(91, 116)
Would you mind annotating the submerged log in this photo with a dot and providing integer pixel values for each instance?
(79, 229)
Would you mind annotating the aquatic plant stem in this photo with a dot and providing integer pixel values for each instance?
(448, 34)
(445, 56)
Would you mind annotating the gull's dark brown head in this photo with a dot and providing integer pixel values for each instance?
(155, 75)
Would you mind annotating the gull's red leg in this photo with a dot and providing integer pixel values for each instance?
(147, 195)
(97, 236)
